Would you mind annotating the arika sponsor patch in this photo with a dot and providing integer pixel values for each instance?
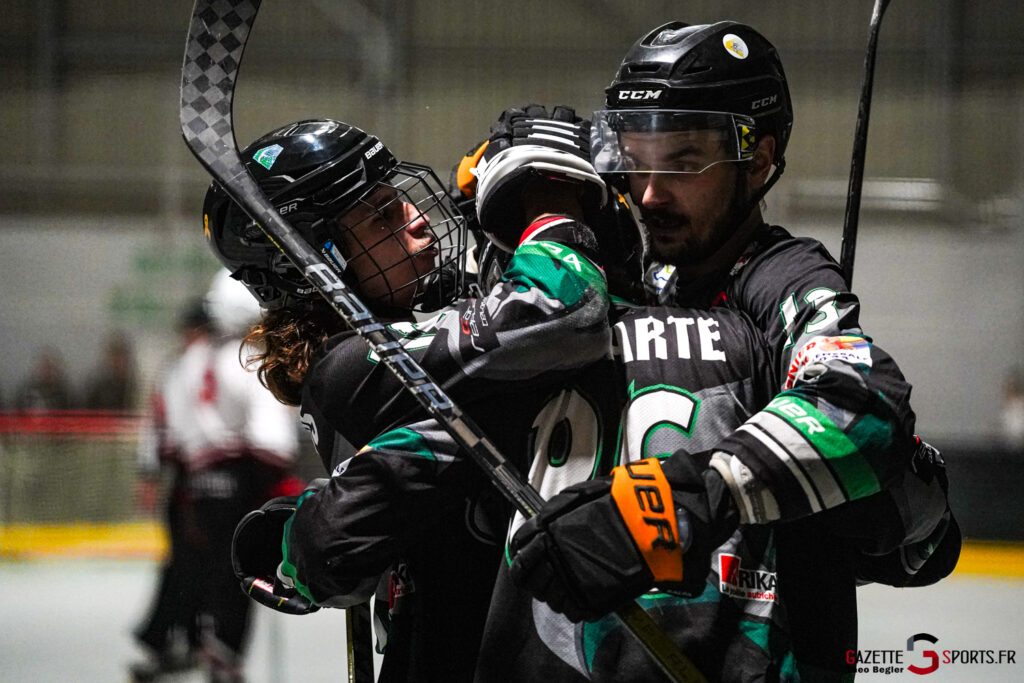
(745, 584)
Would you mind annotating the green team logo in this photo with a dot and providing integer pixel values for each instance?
(267, 156)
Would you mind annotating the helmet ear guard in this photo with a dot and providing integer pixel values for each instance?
(491, 266)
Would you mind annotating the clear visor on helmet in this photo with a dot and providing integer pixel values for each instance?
(668, 140)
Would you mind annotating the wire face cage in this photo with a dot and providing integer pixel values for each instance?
(406, 241)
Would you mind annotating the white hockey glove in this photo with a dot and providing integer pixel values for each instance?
(529, 146)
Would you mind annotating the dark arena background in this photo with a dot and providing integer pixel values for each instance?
(102, 248)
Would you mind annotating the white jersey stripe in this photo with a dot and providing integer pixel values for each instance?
(547, 136)
(796, 447)
(813, 499)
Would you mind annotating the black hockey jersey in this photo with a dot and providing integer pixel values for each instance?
(407, 506)
(840, 425)
(689, 379)
(815, 450)
(540, 343)
(833, 454)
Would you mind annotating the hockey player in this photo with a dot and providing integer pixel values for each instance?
(170, 630)
(405, 507)
(235, 445)
(506, 354)
(695, 131)
(341, 581)
(402, 501)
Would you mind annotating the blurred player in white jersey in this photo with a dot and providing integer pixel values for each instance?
(234, 445)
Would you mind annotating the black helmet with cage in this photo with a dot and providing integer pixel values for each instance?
(723, 77)
(313, 172)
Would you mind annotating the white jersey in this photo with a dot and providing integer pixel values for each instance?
(215, 410)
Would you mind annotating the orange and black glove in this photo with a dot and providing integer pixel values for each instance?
(599, 544)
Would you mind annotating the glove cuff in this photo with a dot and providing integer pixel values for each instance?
(756, 503)
(464, 173)
(501, 179)
(711, 512)
(644, 499)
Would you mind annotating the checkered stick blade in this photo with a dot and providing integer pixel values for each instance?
(213, 54)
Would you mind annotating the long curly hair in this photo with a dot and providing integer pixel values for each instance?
(285, 341)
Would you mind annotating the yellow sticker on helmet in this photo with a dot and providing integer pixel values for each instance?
(747, 142)
(735, 46)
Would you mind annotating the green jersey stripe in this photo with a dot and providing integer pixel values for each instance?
(555, 270)
(287, 568)
(405, 440)
(830, 443)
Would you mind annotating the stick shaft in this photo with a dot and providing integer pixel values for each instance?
(860, 141)
(359, 636)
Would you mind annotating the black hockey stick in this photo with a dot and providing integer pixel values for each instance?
(218, 32)
(359, 637)
(860, 143)
(213, 54)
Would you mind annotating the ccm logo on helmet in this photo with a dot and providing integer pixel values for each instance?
(764, 102)
(639, 94)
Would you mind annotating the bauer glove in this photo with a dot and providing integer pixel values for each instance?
(256, 555)
(528, 144)
(599, 544)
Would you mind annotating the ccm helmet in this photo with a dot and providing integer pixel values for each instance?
(314, 171)
(723, 77)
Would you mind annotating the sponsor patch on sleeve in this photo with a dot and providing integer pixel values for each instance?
(820, 350)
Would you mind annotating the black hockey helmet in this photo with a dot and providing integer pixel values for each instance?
(314, 171)
(678, 71)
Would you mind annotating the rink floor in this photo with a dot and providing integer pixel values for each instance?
(70, 620)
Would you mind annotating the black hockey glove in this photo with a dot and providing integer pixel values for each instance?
(256, 555)
(931, 540)
(528, 144)
(599, 544)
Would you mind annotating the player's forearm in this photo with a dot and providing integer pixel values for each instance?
(549, 313)
(377, 503)
(824, 443)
